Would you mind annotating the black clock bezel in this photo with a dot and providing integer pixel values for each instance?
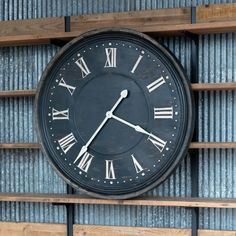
(185, 90)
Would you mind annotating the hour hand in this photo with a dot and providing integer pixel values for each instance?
(136, 127)
(157, 142)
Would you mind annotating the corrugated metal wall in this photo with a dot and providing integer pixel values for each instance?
(29, 171)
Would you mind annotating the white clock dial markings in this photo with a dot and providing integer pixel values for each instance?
(157, 83)
(67, 142)
(163, 113)
(157, 142)
(70, 88)
(136, 64)
(137, 166)
(111, 57)
(60, 115)
(85, 162)
(83, 67)
(110, 173)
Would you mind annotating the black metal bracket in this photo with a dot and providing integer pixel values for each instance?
(194, 161)
(67, 24)
(70, 210)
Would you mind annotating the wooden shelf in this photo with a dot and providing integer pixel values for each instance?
(216, 18)
(19, 146)
(193, 145)
(17, 93)
(46, 229)
(195, 87)
(145, 201)
(212, 145)
(213, 86)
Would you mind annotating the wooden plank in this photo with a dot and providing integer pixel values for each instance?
(212, 145)
(216, 13)
(195, 87)
(34, 31)
(216, 233)
(213, 86)
(18, 93)
(144, 21)
(31, 229)
(214, 19)
(193, 145)
(98, 230)
(145, 201)
(47, 229)
(19, 145)
(32, 27)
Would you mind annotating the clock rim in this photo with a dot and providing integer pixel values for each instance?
(186, 87)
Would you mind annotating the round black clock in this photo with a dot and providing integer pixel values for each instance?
(114, 113)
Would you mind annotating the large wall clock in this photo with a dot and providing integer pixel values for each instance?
(114, 113)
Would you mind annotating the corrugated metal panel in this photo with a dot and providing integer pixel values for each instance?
(28, 170)
(217, 123)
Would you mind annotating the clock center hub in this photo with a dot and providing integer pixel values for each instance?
(93, 104)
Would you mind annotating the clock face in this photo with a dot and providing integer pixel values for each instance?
(114, 113)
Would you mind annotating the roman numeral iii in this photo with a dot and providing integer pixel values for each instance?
(70, 88)
(163, 113)
(157, 142)
(156, 84)
(111, 57)
(83, 67)
(60, 115)
(67, 142)
(110, 173)
(85, 162)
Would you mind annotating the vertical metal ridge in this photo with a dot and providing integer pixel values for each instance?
(217, 167)
(28, 167)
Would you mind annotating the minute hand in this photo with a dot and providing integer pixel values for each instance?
(123, 94)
